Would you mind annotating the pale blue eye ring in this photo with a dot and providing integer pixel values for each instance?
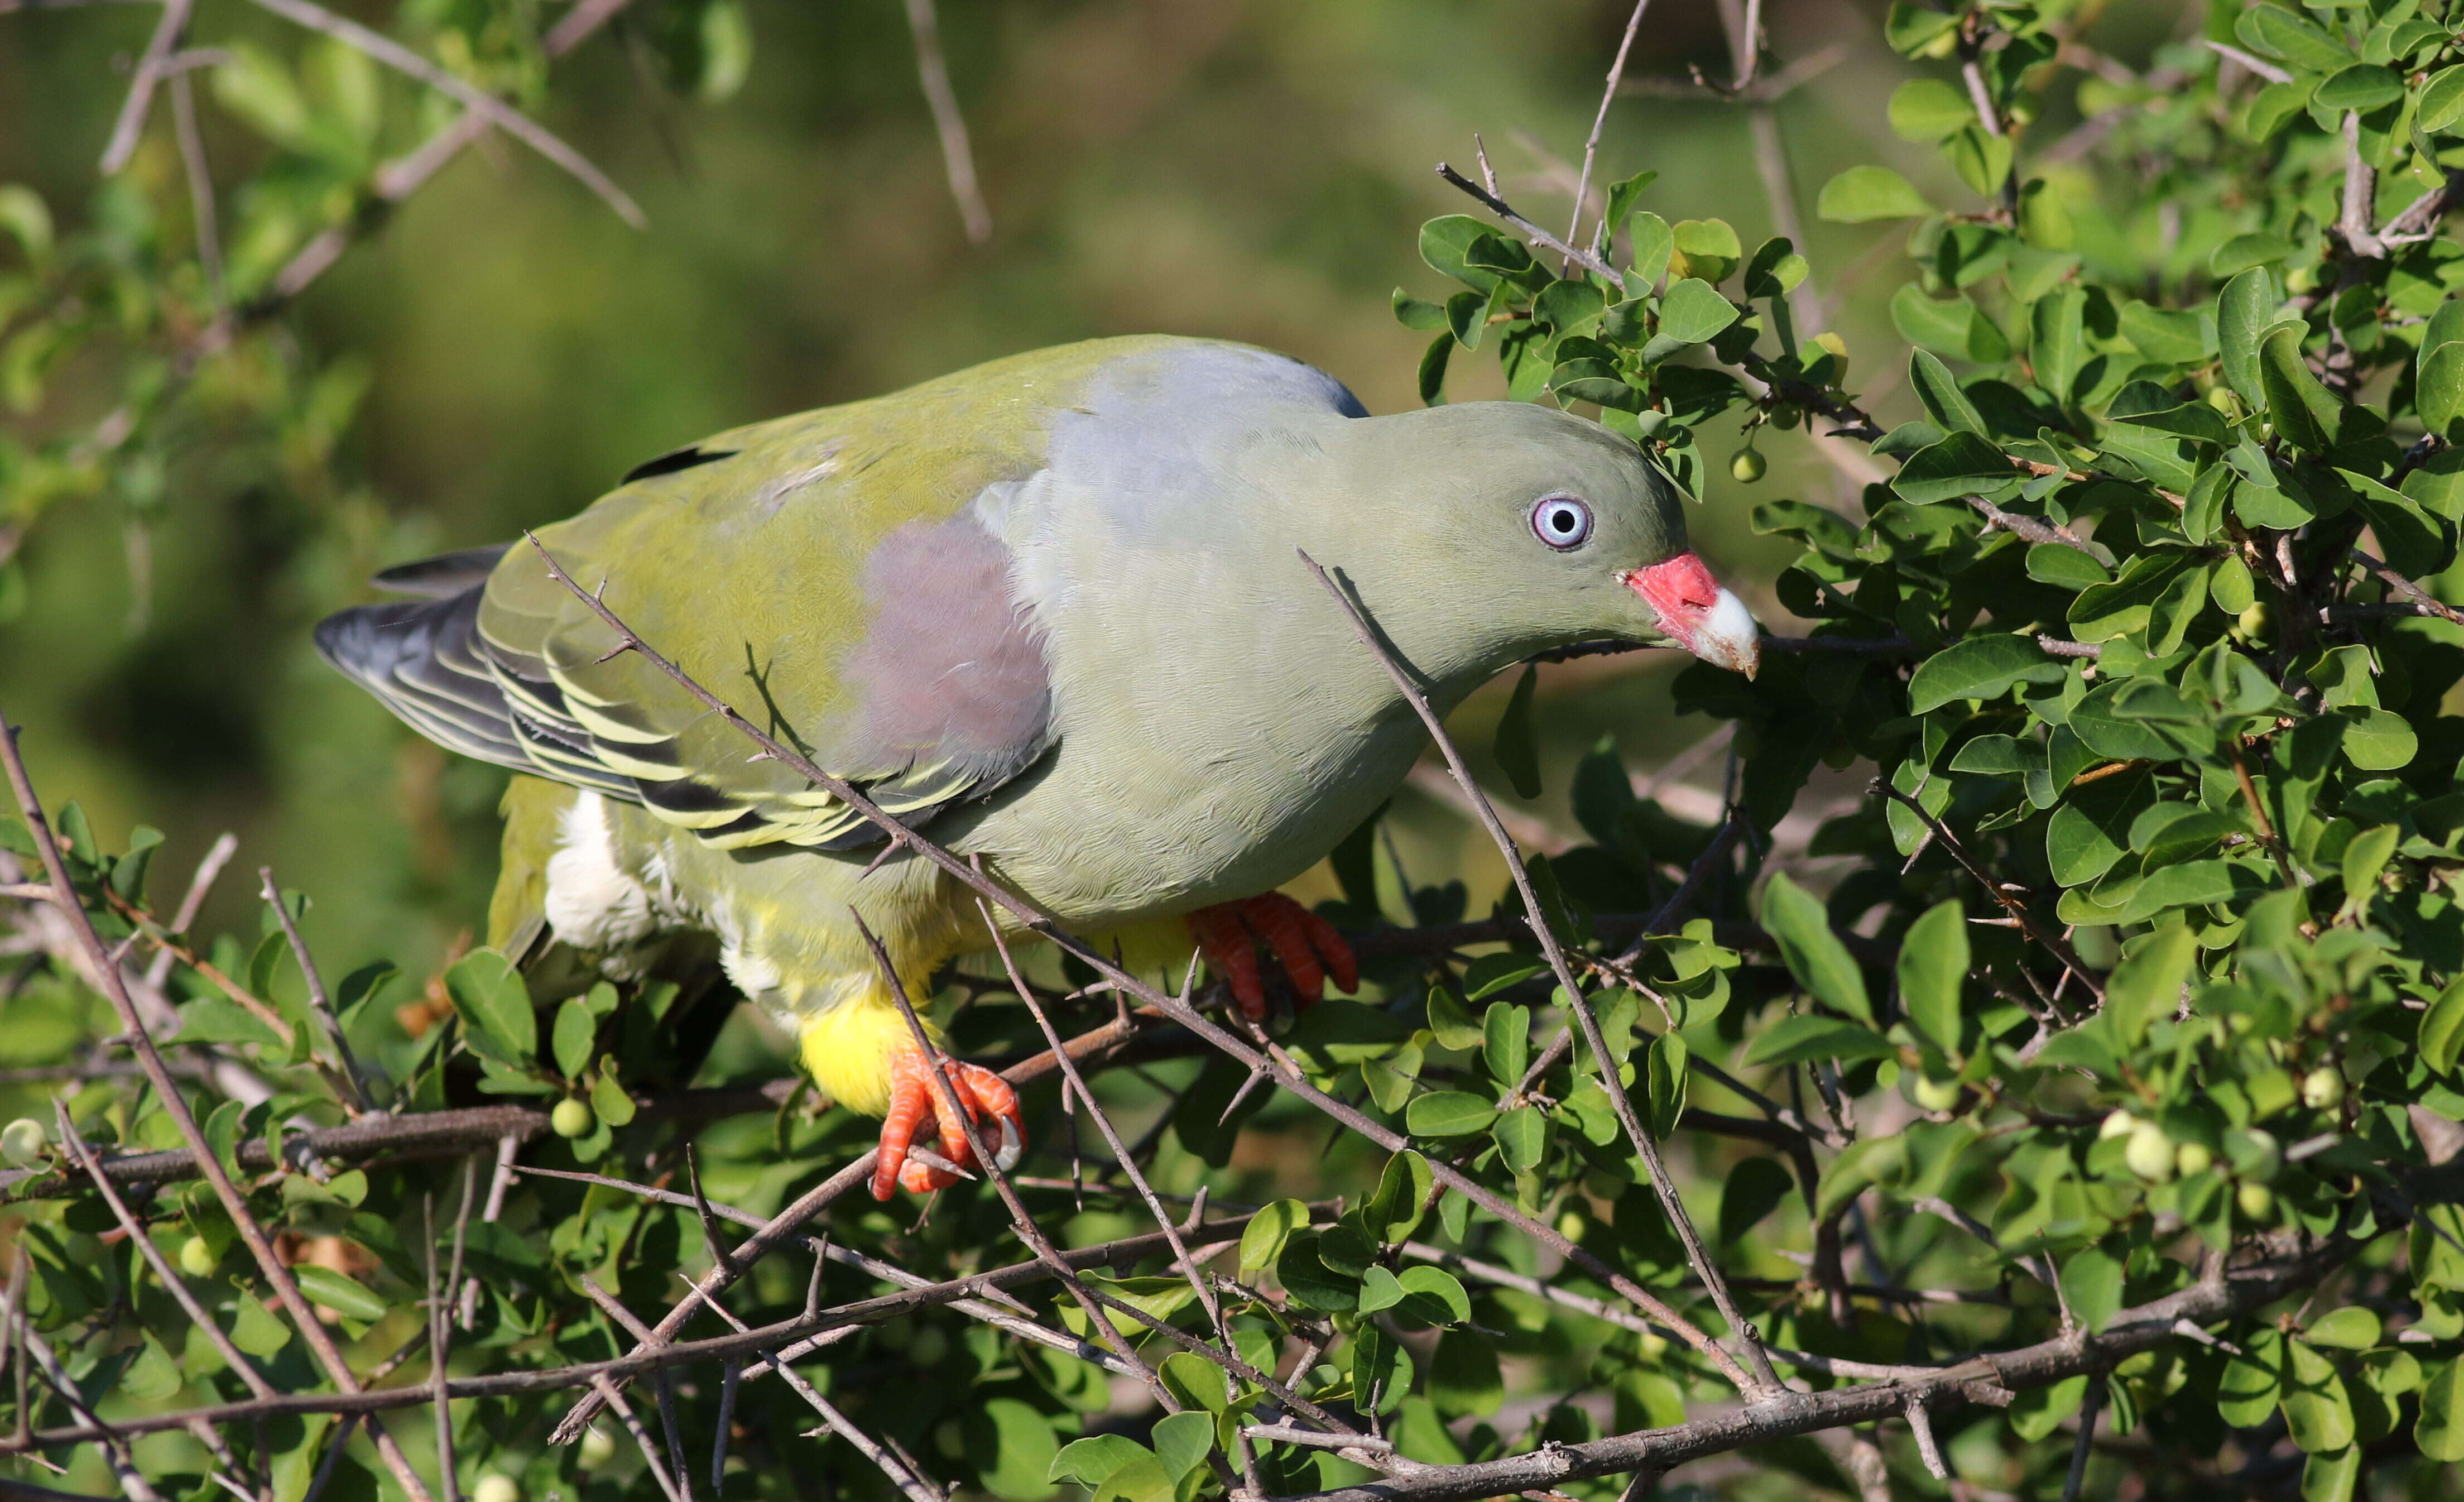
(1562, 522)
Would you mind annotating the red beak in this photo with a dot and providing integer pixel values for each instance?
(1698, 615)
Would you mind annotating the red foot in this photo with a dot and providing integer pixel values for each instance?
(914, 1099)
(1305, 944)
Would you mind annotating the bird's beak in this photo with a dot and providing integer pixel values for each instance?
(1698, 615)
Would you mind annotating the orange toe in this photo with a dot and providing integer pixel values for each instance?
(1232, 955)
(915, 1098)
(1306, 946)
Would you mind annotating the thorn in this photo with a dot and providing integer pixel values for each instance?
(1241, 1095)
(613, 653)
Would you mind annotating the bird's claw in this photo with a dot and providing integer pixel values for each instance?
(914, 1099)
(1308, 947)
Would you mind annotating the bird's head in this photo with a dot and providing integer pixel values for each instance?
(1538, 528)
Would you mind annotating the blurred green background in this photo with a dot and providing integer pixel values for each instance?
(1248, 170)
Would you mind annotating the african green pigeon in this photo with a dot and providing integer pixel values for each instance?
(1050, 608)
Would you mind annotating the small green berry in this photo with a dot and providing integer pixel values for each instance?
(23, 1142)
(2254, 621)
(1749, 466)
(2150, 1152)
(950, 1438)
(2119, 1124)
(598, 1447)
(197, 1257)
(2257, 1201)
(928, 1347)
(2192, 1157)
(496, 1487)
(2323, 1089)
(572, 1118)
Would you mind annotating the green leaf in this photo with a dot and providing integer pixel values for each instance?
(1863, 193)
(1961, 465)
(2164, 336)
(2351, 1328)
(1089, 1462)
(1652, 243)
(2362, 86)
(2304, 413)
(256, 1330)
(339, 1291)
(2280, 33)
(1522, 1137)
(2379, 741)
(609, 1100)
(2060, 564)
(1820, 963)
(1705, 249)
(1182, 1440)
(2317, 1410)
(1446, 244)
(1926, 110)
(1944, 401)
(1402, 1189)
(2365, 855)
(1448, 1113)
(1776, 270)
(1664, 1071)
(1432, 370)
(1933, 962)
(576, 1031)
(495, 1006)
(1979, 667)
(1981, 159)
(1011, 1447)
(1517, 750)
(1308, 1278)
(153, 1375)
(2439, 1431)
(2243, 252)
(1953, 326)
(1379, 1289)
(220, 1020)
(2442, 1028)
(1197, 1381)
(1693, 311)
(1262, 1240)
(2059, 347)
(1506, 1047)
(2091, 1283)
(1415, 313)
(2244, 309)
(2442, 101)
(1451, 1021)
(1381, 1370)
(2148, 984)
(1795, 1040)
(1749, 1193)
(1434, 1297)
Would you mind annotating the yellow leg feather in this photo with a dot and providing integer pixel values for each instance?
(849, 1047)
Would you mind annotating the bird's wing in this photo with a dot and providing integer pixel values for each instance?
(828, 575)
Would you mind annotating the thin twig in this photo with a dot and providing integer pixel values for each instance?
(957, 158)
(2053, 942)
(352, 1081)
(1592, 144)
(497, 112)
(1763, 1379)
(133, 109)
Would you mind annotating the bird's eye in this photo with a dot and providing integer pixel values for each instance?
(1562, 522)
